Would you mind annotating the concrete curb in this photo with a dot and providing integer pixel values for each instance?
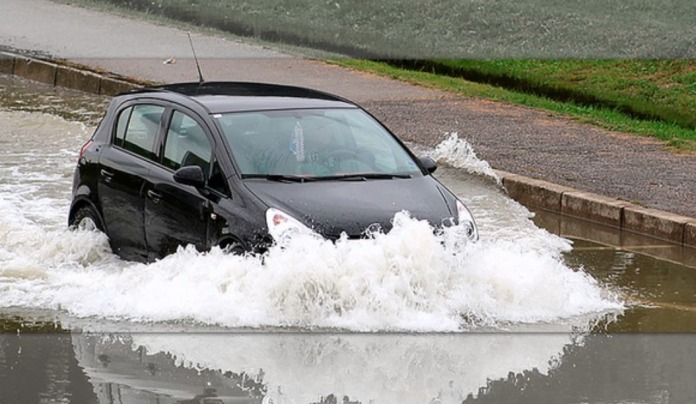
(600, 209)
(63, 74)
(529, 192)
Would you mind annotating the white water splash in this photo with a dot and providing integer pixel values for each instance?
(407, 280)
(459, 153)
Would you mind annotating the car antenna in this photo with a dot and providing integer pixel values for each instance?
(195, 58)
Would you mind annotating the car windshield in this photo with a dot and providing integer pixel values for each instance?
(314, 144)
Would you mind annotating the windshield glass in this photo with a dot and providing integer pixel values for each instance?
(313, 143)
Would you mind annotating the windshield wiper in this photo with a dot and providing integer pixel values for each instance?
(342, 177)
(362, 177)
(279, 177)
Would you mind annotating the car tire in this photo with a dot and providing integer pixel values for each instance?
(85, 218)
(234, 248)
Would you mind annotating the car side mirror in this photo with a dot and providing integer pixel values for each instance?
(428, 163)
(190, 175)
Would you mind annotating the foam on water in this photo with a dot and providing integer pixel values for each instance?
(407, 280)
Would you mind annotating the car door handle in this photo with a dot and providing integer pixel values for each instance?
(156, 197)
(107, 175)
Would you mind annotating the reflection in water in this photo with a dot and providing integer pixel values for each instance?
(625, 368)
(661, 294)
(40, 366)
(306, 368)
(116, 365)
(357, 368)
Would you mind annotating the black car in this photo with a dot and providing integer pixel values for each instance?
(237, 164)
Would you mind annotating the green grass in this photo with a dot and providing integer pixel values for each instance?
(650, 89)
(674, 135)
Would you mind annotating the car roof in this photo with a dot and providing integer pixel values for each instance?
(221, 97)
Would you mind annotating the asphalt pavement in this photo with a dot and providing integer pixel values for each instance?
(515, 139)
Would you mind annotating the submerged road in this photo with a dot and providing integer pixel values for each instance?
(78, 325)
(519, 140)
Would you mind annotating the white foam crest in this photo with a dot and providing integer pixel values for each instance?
(402, 281)
(459, 153)
(32, 261)
(503, 284)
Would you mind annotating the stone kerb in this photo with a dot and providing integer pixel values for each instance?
(78, 80)
(37, 70)
(655, 222)
(593, 207)
(113, 87)
(600, 209)
(57, 74)
(7, 62)
(534, 193)
(690, 233)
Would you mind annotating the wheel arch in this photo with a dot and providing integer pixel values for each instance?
(81, 202)
(229, 240)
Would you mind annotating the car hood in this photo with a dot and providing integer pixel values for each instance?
(333, 207)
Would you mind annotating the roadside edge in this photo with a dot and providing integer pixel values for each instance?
(601, 209)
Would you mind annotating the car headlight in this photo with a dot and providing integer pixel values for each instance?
(281, 225)
(466, 220)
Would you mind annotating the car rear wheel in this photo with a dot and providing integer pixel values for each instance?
(86, 219)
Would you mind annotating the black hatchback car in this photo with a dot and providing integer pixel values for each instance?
(238, 165)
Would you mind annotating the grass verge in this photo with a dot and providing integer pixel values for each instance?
(674, 135)
(649, 89)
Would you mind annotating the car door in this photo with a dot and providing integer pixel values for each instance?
(176, 214)
(124, 166)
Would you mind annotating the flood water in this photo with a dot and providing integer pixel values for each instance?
(544, 310)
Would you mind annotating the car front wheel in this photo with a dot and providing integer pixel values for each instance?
(233, 248)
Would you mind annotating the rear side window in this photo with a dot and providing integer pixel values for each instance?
(186, 144)
(136, 129)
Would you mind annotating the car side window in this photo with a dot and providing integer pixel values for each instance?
(121, 126)
(136, 129)
(186, 144)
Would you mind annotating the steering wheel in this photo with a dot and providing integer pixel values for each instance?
(341, 153)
